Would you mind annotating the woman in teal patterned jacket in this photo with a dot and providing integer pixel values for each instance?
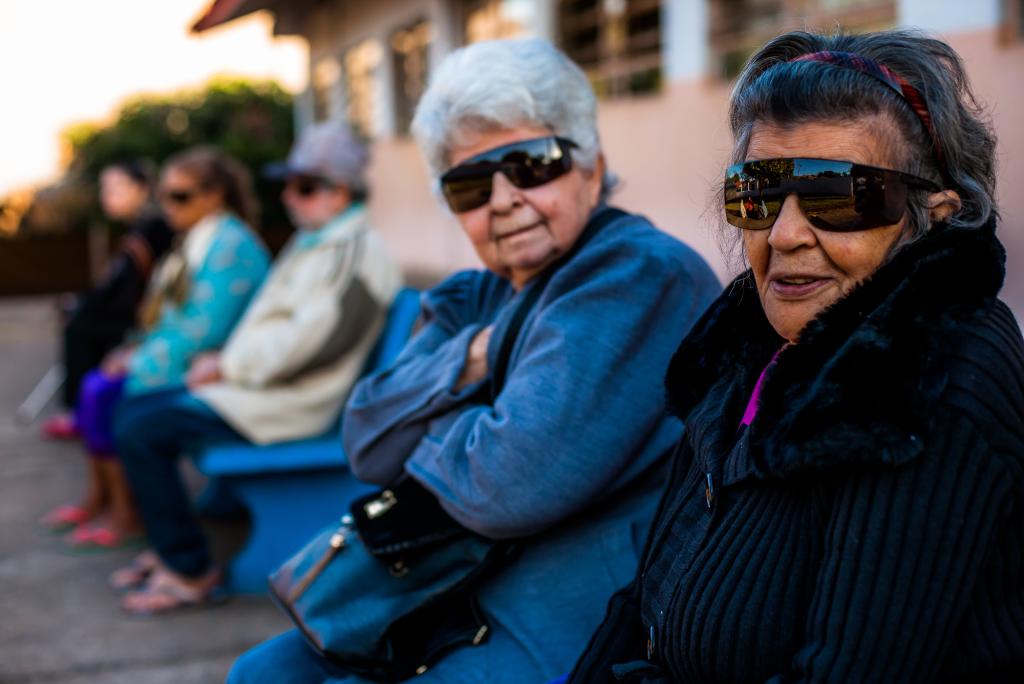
(208, 281)
(195, 298)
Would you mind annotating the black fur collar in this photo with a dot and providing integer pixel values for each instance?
(859, 384)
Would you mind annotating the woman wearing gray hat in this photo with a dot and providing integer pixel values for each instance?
(282, 374)
(569, 455)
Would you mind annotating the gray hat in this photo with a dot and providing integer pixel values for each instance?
(327, 150)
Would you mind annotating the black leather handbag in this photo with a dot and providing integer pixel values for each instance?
(388, 592)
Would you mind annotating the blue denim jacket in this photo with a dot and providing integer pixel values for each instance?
(569, 454)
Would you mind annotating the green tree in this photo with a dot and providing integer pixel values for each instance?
(250, 120)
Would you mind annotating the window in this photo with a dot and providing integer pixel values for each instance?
(325, 80)
(1011, 21)
(409, 52)
(616, 42)
(739, 27)
(832, 5)
(492, 19)
(362, 66)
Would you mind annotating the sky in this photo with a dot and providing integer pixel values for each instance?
(69, 61)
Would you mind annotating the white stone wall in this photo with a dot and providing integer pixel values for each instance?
(945, 16)
(685, 43)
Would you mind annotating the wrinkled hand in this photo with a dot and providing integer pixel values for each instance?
(475, 368)
(205, 369)
(115, 364)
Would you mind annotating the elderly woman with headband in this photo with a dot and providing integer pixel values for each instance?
(570, 454)
(848, 501)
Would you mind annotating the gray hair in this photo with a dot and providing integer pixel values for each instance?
(772, 89)
(502, 84)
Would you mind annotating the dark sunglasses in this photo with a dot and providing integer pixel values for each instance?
(837, 196)
(179, 197)
(527, 164)
(305, 186)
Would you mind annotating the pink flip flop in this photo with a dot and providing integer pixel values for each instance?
(65, 517)
(60, 427)
(99, 538)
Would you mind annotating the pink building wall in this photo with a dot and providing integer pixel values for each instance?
(997, 72)
(669, 151)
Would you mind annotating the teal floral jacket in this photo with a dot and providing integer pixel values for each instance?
(225, 264)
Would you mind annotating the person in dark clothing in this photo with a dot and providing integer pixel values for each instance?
(103, 315)
(847, 502)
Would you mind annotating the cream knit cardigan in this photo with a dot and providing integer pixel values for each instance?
(292, 359)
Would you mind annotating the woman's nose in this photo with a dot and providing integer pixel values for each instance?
(791, 229)
(504, 195)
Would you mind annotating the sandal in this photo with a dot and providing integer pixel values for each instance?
(66, 517)
(134, 576)
(164, 592)
(61, 426)
(99, 538)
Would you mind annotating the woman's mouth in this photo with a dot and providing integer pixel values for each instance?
(796, 286)
(517, 231)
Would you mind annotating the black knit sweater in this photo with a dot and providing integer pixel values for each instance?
(869, 525)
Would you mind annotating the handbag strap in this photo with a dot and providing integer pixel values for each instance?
(533, 292)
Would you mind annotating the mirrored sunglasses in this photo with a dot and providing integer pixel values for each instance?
(834, 195)
(178, 197)
(306, 186)
(526, 163)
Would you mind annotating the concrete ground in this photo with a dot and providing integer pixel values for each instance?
(59, 622)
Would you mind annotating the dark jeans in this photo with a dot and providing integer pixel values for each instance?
(285, 659)
(150, 432)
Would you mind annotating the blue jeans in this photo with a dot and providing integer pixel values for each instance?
(288, 659)
(150, 432)
(285, 659)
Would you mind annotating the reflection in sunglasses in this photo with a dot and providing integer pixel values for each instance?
(305, 186)
(834, 195)
(179, 197)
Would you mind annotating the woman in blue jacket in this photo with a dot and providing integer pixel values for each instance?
(570, 454)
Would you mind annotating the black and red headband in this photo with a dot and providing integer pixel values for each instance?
(882, 73)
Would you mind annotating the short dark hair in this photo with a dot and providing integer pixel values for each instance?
(140, 171)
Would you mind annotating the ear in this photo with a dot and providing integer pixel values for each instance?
(219, 196)
(942, 205)
(597, 179)
(344, 196)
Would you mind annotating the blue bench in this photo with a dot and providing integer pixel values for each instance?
(293, 489)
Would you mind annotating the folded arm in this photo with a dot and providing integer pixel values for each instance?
(389, 412)
(580, 404)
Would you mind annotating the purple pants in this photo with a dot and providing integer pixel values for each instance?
(94, 415)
